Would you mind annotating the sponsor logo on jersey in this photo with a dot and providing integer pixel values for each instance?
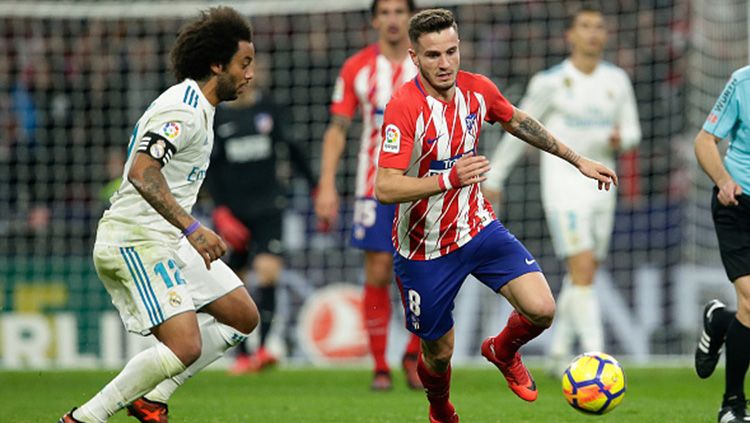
(725, 96)
(440, 166)
(170, 130)
(392, 142)
(263, 123)
(196, 174)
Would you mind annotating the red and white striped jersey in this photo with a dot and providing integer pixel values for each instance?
(425, 136)
(368, 79)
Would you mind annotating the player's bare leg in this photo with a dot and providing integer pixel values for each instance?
(534, 310)
(579, 315)
(179, 346)
(434, 369)
(223, 323)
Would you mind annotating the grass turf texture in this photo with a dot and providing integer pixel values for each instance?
(314, 395)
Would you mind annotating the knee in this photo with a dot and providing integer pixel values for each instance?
(188, 350)
(249, 321)
(438, 361)
(267, 269)
(542, 314)
(378, 269)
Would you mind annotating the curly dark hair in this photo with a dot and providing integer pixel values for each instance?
(374, 6)
(209, 40)
(428, 21)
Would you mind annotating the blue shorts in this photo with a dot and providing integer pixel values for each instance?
(373, 223)
(429, 287)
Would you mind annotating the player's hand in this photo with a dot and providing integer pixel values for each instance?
(597, 171)
(470, 170)
(615, 141)
(209, 245)
(326, 205)
(728, 192)
(231, 229)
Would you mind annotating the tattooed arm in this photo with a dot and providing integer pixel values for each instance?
(145, 175)
(529, 130)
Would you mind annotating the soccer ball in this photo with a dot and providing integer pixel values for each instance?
(594, 383)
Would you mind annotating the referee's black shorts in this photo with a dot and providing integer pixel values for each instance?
(732, 225)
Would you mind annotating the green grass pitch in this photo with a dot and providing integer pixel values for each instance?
(316, 395)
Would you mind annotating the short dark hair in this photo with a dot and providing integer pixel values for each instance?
(430, 20)
(211, 39)
(374, 6)
(585, 8)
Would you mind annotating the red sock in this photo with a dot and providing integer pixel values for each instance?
(377, 313)
(517, 332)
(438, 387)
(414, 345)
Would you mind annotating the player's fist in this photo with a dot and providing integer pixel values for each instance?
(326, 204)
(209, 245)
(728, 192)
(470, 170)
(597, 171)
(230, 228)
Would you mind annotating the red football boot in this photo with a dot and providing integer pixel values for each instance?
(453, 418)
(148, 411)
(381, 381)
(68, 417)
(518, 376)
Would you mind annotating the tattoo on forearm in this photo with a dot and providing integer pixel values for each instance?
(154, 189)
(532, 132)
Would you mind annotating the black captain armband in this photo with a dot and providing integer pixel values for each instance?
(156, 146)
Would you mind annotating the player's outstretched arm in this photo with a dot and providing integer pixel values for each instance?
(528, 129)
(145, 175)
(392, 186)
(334, 141)
(709, 158)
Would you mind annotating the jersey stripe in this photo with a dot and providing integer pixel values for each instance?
(147, 284)
(137, 280)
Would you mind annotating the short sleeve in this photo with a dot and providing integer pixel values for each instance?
(344, 100)
(171, 125)
(499, 108)
(397, 137)
(725, 112)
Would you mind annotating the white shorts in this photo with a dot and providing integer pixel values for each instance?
(151, 282)
(576, 231)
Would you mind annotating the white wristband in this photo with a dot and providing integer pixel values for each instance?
(447, 180)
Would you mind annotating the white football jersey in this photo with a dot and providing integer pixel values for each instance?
(583, 111)
(184, 117)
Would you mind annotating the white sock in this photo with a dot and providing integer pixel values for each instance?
(216, 339)
(562, 336)
(141, 374)
(587, 318)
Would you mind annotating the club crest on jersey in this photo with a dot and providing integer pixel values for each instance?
(174, 299)
(392, 142)
(263, 123)
(471, 124)
(170, 130)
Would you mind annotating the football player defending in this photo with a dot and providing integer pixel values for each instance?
(590, 104)
(444, 229)
(367, 81)
(730, 206)
(158, 262)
